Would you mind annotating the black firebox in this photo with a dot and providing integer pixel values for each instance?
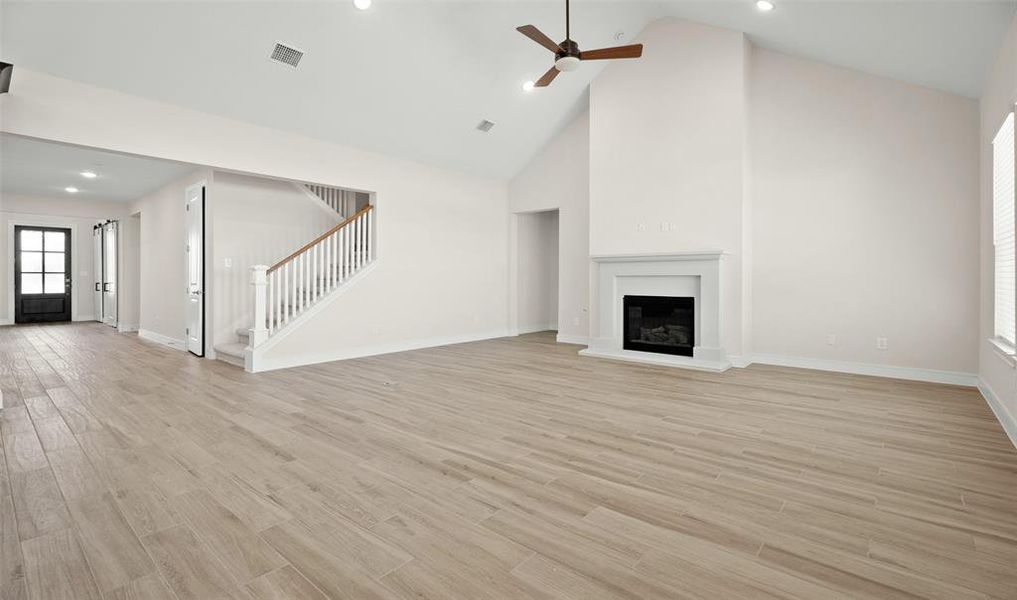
(662, 324)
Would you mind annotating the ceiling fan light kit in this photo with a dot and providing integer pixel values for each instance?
(568, 56)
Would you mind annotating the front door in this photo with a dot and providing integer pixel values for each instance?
(195, 222)
(42, 274)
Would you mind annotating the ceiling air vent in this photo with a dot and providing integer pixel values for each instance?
(485, 125)
(287, 55)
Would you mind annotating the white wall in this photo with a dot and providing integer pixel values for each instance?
(863, 219)
(998, 378)
(667, 153)
(161, 262)
(255, 221)
(850, 196)
(77, 215)
(129, 305)
(537, 265)
(442, 271)
(558, 178)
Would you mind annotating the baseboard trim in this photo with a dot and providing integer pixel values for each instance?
(262, 363)
(159, 338)
(535, 329)
(1005, 417)
(127, 328)
(909, 373)
(578, 340)
(740, 362)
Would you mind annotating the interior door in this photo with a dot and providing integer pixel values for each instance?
(42, 274)
(97, 271)
(110, 282)
(195, 224)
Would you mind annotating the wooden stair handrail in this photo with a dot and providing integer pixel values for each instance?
(305, 247)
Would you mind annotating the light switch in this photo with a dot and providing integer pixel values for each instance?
(228, 263)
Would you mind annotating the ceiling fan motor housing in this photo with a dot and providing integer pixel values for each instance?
(567, 57)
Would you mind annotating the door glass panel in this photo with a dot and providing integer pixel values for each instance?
(54, 262)
(55, 241)
(31, 283)
(31, 240)
(54, 283)
(31, 262)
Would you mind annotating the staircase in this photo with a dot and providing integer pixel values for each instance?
(341, 201)
(285, 292)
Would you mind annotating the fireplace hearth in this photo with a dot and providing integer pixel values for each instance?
(661, 324)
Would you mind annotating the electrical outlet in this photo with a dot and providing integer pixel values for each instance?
(881, 343)
(641, 227)
(831, 339)
(228, 263)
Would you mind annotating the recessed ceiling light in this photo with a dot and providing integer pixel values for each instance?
(88, 174)
(765, 5)
(362, 4)
(71, 190)
(528, 86)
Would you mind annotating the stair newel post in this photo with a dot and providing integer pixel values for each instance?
(259, 279)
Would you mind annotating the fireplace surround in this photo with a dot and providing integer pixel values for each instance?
(695, 275)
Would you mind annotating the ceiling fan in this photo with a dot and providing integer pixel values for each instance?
(567, 54)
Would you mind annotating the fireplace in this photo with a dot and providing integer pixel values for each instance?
(661, 324)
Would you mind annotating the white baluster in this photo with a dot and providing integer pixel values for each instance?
(346, 251)
(331, 261)
(268, 315)
(259, 333)
(297, 295)
(360, 241)
(315, 281)
(370, 235)
(273, 298)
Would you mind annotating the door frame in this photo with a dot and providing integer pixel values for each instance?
(42, 221)
(67, 272)
(203, 186)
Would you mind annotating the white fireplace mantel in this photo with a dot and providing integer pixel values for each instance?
(695, 273)
(659, 256)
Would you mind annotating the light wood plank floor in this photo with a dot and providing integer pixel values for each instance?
(505, 469)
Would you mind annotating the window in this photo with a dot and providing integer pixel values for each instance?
(1003, 230)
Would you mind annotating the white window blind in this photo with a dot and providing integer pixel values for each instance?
(1003, 230)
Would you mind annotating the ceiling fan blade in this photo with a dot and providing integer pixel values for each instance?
(633, 51)
(537, 36)
(547, 77)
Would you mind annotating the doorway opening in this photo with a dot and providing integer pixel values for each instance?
(537, 276)
(194, 206)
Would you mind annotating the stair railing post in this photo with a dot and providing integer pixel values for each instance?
(259, 279)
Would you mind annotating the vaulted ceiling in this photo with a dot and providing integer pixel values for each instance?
(413, 78)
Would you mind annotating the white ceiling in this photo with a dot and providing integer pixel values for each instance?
(411, 78)
(37, 168)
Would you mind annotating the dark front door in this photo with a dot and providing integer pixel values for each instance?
(42, 274)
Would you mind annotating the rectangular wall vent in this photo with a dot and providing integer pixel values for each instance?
(485, 125)
(286, 54)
